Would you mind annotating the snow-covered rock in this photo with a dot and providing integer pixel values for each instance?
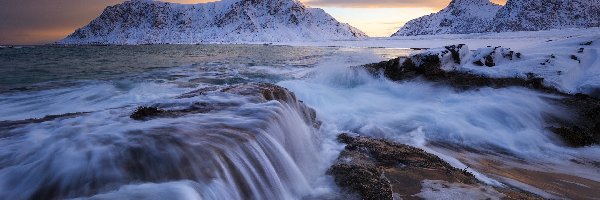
(450, 57)
(228, 21)
(570, 65)
(478, 16)
(492, 56)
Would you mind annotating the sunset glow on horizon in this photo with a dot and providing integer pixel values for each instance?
(44, 21)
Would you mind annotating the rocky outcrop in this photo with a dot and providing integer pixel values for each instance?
(437, 65)
(582, 130)
(478, 16)
(380, 169)
(257, 92)
(154, 22)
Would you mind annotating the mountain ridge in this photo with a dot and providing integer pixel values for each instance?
(479, 16)
(227, 21)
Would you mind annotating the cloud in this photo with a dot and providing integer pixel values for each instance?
(40, 21)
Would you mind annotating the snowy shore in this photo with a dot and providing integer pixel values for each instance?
(567, 60)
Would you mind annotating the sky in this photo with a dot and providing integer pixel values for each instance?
(45, 21)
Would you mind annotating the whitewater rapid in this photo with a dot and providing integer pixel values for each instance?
(506, 121)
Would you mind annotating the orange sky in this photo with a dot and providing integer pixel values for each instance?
(45, 21)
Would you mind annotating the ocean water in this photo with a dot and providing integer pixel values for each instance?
(65, 130)
(89, 147)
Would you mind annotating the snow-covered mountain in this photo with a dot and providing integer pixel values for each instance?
(477, 16)
(154, 22)
(532, 15)
(461, 16)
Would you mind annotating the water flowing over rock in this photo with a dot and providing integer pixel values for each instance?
(478, 16)
(249, 141)
(154, 22)
(441, 65)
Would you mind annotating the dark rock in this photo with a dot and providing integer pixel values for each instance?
(583, 128)
(587, 43)
(574, 57)
(391, 69)
(478, 63)
(580, 50)
(454, 50)
(574, 136)
(144, 112)
(489, 61)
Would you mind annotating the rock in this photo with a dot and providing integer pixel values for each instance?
(380, 169)
(256, 92)
(438, 64)
(574, 57)
(492, 56)
(5, 126)
(583, 128)
(144, 112)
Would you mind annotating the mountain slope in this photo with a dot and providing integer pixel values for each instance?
(152, 22)
(478, 16)
(461, 16)
(528, 15)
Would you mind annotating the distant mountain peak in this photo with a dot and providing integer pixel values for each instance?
(477, 16)
(153, 22)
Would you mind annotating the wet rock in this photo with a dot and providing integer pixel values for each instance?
(144, 112)
(375, 169)
(8, 125)
(583, 128)
(255, 92)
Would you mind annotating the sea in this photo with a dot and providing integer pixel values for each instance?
(66, 130)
